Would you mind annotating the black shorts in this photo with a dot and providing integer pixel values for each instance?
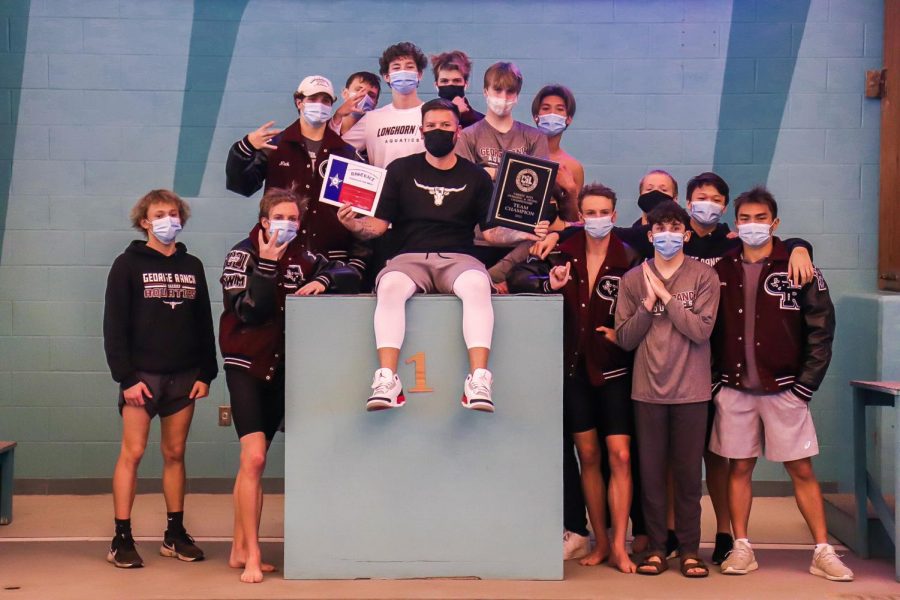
(256, 404)
(171, 392)
(607, 408)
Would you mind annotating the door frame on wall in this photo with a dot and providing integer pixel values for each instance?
(889, 189)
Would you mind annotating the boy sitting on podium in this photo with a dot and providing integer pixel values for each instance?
(434, 200)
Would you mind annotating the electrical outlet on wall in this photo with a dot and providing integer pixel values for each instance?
(224, 416)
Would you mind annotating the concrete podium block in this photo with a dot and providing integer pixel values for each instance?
(430, 489)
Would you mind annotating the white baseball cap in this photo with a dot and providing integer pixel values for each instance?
(316, 84)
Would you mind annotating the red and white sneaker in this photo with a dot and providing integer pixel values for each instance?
(387, 392)
(477, 391)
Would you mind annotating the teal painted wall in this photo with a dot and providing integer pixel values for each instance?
(102, 100)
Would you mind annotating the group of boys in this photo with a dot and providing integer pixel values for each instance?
(644, 320)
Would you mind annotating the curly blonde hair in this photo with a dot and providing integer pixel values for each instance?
(139, 210)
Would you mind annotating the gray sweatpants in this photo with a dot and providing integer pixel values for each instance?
(671, 434)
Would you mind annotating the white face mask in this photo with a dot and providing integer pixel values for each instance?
(166, 229)
(598, 227)
(754, 234)
(284, 229)
(500, 106)
(706, 212)
(316, 113)
(404, 82)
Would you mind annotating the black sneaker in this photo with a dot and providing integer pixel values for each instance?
(123, 554)
(181, 546)
(724, 545)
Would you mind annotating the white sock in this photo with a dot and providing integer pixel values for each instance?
(745, 540)
(819, 547)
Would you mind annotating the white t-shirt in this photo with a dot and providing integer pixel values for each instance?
(387, 133)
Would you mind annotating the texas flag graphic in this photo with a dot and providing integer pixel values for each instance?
(352, 182)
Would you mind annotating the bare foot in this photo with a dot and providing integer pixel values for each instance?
(252, 574)
(238, 560)
(597, 556)
(620, 560)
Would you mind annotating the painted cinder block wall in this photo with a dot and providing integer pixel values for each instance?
(101, 100)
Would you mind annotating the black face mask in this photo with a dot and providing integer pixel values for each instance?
(449, 92)
(439, 142)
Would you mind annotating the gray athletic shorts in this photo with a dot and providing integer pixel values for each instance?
(748, 424)
(433, 272)
(171, 392)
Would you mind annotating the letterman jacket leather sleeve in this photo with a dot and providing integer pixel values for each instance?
(337, 276)
(819, 324)
(533, 275)
(251, 295)
(245, 169)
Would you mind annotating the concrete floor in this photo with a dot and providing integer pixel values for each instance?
(55, 549)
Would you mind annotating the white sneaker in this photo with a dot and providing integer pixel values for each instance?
(740, 560)
(387, 392)
(575, 545)
(826, 563)
(477, 391)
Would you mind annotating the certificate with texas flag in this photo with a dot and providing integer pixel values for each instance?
(354, 183)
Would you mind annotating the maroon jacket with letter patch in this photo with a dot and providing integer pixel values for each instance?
(585, 309)
(794, 327)
(247, 169)
(251, 330)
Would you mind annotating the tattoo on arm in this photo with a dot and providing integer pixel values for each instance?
(370, 228)
(503, 236)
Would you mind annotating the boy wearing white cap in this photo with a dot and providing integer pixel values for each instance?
(295, 157)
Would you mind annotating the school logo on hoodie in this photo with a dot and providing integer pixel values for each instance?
(180, 286)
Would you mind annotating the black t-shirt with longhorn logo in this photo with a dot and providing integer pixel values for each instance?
(433, 210)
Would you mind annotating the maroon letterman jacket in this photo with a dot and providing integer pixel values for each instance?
(585, 309)
(251, 330)
(247, 169)
(794, 327)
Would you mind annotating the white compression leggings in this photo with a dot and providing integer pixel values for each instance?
(395, 288)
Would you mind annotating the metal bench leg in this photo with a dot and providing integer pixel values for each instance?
(897, 494)
(860, 487)
(7, 459)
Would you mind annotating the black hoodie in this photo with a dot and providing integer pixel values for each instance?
(157, 316)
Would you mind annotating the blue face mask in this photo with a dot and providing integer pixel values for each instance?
(284, 229)
(316, 113)
(551, 124)
(404, 82)
(668, 243)
(598, 227)
(166, 229)
(706, 212)
(363, 106)
(755, 234)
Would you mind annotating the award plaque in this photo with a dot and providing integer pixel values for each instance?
(521, 192)
(352, 182)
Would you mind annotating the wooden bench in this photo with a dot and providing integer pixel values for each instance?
(866, 489)
(7, 456)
